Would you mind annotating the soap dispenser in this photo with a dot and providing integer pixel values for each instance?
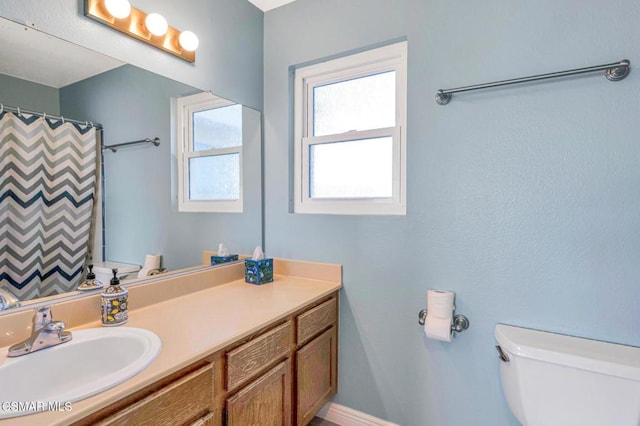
(91, 283)
(114, 303)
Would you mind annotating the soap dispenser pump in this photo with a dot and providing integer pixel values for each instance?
(115, 310)
(91, 283)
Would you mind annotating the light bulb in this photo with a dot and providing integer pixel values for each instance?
(189, 41)
(118, 8)
(156, 24)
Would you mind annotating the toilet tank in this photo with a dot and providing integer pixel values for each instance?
(552, 379)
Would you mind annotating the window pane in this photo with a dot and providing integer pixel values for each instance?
(363, 103)
(353, 169)
(214, 178)
(217, 128)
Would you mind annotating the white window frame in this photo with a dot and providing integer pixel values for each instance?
(383, 59)
(185, 108)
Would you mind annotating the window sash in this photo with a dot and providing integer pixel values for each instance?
(186, 107)
(392, 132)
(209, 205)
(206, 108)
(214, 152)
(350, 82)
(199, 103)
(210, 153)
(375, 61)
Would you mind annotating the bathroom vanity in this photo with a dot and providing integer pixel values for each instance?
(250, 382)
(233, 353)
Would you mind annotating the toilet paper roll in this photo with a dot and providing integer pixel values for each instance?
(440, 303)
(152, 261)
(438, 328)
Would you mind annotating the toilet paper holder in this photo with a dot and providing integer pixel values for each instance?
(459, 323)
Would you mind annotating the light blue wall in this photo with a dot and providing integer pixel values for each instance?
(28, 95)
(141, 189)
(525, 201)
(228, 61)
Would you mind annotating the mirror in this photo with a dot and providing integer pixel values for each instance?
(141, 214)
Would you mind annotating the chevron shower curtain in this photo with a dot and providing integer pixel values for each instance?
(47, 186)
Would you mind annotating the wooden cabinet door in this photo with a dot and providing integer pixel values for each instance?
(264, 402)
(316, 374)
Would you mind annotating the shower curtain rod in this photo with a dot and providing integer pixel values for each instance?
(613, 72)
(21, 111)
(115, 146)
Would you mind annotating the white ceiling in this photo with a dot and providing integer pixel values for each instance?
(27, 54)
(266, 5)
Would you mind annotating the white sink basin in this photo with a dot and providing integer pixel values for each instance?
(94, 360)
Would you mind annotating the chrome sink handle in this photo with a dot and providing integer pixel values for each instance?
(45, 333)
(8, 300)
(56, 326)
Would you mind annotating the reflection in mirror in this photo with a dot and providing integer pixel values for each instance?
(138, 183)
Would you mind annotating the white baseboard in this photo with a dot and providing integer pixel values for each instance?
(345, 416)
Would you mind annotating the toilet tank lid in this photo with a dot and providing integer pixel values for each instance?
(593, 355)
(123, 268)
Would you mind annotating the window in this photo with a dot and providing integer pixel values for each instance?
(209, 151)
(350, 134)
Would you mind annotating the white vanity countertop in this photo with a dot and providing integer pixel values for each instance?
(192, 327)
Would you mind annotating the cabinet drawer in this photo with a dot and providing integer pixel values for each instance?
(254, 356)
(183, 401)
(316, 320)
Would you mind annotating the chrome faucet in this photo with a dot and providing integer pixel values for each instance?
(45, 333)
(8, 300)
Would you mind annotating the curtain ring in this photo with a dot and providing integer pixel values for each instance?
(86, 124)
(44, 115)
(19, 113)
(62, 119)
(1, 108)
(91, 123)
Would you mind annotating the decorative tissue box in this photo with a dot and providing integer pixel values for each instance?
(216, 260)
(258, 271)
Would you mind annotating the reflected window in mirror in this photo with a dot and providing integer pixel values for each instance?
(209, 148)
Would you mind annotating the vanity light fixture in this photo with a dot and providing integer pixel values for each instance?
(118, 8)
(189, 41)
(156, 24)
(150, 28)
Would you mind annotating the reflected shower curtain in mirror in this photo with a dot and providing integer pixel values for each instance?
(47, 187)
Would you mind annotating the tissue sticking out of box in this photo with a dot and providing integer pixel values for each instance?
(258, 254)
(258, 270)
(223, 256)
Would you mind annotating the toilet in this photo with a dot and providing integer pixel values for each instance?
(103, 271)
(552, 379)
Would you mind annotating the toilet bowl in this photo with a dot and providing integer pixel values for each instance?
(551, 379)
(103, 271)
